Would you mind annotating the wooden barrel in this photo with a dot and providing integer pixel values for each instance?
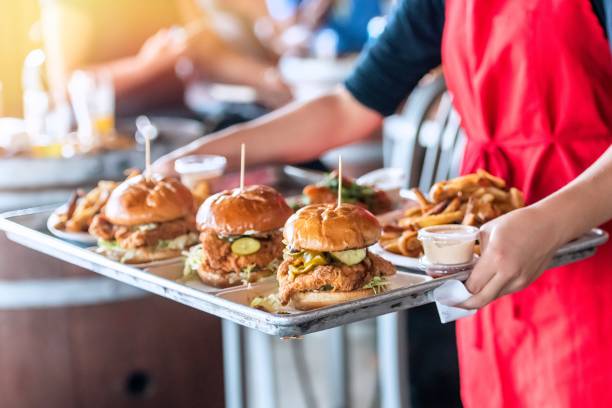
(70, 338)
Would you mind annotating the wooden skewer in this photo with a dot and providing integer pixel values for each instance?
(242, 154)
(147, 138)
(339, 181)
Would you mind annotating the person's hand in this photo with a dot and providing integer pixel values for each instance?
(163, 49)
(164, 166)
(272, 91)
(516, 248)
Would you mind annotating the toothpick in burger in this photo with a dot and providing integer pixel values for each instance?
(327, 259)
(146, 220)
(240, 238)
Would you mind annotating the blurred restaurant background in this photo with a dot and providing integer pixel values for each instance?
(81, 81)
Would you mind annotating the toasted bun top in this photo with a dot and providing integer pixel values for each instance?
(138, 201)
(326, 227)
(255, 209)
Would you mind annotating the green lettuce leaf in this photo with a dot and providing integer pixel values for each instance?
(378, 284)
(180, 242)
(192, 262)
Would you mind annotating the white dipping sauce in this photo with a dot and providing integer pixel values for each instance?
(448, 244)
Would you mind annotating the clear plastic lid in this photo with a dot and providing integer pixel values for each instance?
(205, 163)
(450, 232)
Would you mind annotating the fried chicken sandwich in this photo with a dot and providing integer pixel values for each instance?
(326, 260)
(146, 220)
(240, 236)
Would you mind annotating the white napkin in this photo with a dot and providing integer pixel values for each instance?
(451, 293)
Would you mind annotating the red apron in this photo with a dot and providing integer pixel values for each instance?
(532, 81)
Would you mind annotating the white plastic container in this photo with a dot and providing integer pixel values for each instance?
(199, 173)
(448, 244)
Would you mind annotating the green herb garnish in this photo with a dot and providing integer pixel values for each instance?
(378, 284)
(269, 303)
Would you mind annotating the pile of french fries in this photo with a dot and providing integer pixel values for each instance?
(473, 199)
(82, 208)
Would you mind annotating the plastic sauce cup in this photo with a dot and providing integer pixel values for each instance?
(448, 244)
(199, 172)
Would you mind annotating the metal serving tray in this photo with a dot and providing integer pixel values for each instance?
(28, 227)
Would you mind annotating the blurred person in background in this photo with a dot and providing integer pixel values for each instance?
(293, 25)
(148, 48)
(531, 82)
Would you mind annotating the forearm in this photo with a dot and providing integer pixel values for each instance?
(518, 247)
(298, 132)
(584, 203)
(126, 73)
(227, 66)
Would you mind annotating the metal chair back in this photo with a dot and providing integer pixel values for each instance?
(425, 138)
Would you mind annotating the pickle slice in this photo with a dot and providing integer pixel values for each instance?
(245, 246)
(350, 257)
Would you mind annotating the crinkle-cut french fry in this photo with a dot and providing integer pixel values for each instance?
(439, 219)
(496, 181)
(412, 211)
(454, 205)
(421, 199)
(516, 198)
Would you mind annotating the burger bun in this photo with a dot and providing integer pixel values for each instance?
(139, 201)
(316, 300)
(330, 228)
(141, 255)
(226, 280)
(254, 209)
